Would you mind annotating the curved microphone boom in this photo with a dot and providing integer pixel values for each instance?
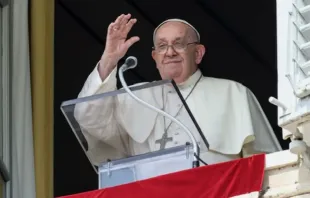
(130, 63)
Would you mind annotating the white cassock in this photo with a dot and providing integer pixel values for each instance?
(227, 112)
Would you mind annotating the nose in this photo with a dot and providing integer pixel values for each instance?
(170, 51)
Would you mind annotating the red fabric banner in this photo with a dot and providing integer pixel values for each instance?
(229, 179)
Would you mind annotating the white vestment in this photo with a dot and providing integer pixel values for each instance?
(227, 112)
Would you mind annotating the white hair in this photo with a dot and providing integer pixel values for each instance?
(177, 20)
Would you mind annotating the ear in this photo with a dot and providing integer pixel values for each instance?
(153, 55)
(200, 52)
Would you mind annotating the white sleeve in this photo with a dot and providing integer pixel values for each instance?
(94, 84)
(98, 118)
(265, 139)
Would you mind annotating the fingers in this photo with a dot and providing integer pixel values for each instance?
(110, 28)
(122, 24)
(116, 24)
(131, 41)
(124, 21)
(130, 24)
(118, 21)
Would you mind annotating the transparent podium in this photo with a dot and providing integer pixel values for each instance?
(123, 139)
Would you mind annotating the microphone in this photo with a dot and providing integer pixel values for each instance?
(130, 63)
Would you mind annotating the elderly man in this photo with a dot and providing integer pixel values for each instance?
(227, 112)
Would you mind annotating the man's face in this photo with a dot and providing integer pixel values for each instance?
(174, 62)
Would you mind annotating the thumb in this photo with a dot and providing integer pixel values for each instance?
(131, 41)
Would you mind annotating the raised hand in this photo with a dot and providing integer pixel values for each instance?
(117, 43)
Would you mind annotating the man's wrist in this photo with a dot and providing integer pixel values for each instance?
(107, 63)
(105, 69)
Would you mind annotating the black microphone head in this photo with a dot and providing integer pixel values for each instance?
(131, 62)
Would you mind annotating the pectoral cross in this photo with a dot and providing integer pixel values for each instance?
(163, 140)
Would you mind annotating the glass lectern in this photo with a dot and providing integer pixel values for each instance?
(110, 127)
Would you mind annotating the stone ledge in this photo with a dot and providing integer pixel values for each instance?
(280, 159)
(285, 176)
(295, 190)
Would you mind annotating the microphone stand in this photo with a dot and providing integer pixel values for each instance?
(130, 63)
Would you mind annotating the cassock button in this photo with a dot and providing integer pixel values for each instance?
(176, 133)
(175, 142)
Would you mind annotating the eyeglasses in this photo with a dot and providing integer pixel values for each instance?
(178, 47)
